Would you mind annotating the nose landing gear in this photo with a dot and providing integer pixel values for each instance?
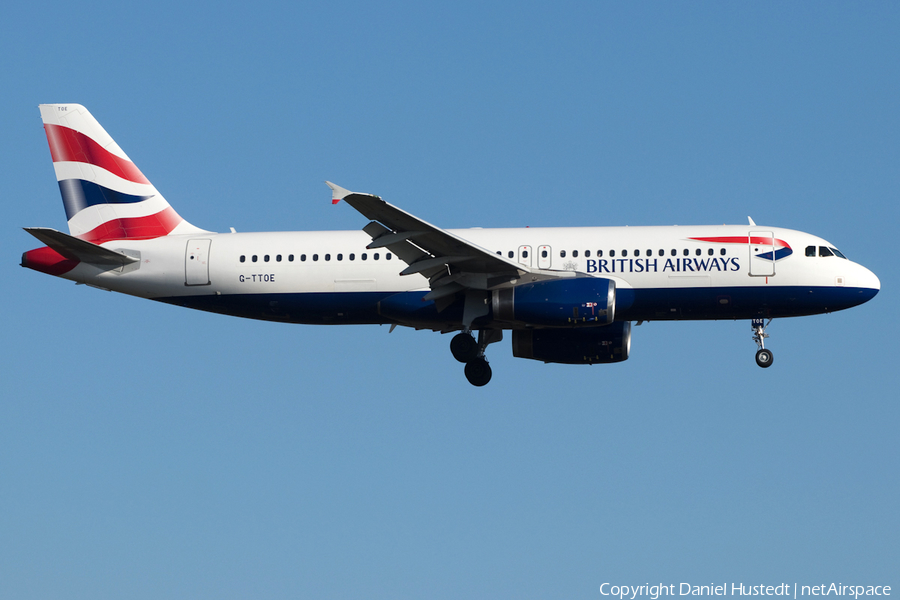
(466, 350)
(764, 357)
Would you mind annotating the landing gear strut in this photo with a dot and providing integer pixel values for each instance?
(764, 357)
(466, 350)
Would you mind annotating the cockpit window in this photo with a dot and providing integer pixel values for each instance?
(810, 250)
(823, 251)
(838, 253)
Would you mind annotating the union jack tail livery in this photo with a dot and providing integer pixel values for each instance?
(105, 195)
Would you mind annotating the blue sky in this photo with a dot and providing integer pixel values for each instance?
(148, 451)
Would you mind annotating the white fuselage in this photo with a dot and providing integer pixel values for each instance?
(656, 259)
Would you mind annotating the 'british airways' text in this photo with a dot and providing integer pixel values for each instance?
(655, 265)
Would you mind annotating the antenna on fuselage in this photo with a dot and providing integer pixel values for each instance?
(752, 224)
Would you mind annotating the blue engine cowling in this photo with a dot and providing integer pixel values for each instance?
(581, 346)
(571, 302)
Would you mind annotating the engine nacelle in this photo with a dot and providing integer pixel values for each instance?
(558, 302)
(581, 346)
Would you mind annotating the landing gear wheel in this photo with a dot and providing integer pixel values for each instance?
(764, 358)
(478, 372)
(463, 347)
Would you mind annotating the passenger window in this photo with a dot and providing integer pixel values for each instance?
(674, 252)
(543, 254)
(722, 251)
(686, 252)
(315, 257)
(511, 254)
(587, 253)
(710, 252)
(562, 253)
(278, 258)
(290, 258)
(327, 257)
(375, 256)
(810, 250)
(649, 252)
(823, 251)
(243, 258)
(387, 256)
(266, 258)
(525, 253)
(574, 253)
(363, 256)
(624, 253)
(340, 257)
(302, 258)
(698, 251)
(599, 253)
(662, 252)
(612, 253)
(254, 258)
(352, 257)
(637, 252)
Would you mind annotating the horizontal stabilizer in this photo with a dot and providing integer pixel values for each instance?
(76, 249)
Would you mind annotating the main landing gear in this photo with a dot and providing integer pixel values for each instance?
(466, 350)
(764, 357)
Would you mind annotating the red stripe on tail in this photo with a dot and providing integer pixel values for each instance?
(135, 228)
(69, 145)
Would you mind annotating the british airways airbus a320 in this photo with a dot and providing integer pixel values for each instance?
(568, 295)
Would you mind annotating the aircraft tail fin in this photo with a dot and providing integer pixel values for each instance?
(105, 195)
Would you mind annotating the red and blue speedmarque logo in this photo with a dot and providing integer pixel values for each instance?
(781, 248)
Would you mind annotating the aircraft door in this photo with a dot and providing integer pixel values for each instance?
(762, 253)
(196, 262)
(544, 254)
(525, 255)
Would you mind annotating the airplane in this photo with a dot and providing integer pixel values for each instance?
(567, 294)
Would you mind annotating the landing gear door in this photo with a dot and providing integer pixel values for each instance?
(525, 255)
(196, 262)
(762, 253)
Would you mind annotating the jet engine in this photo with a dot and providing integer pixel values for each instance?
(575, 346)
(579, 301)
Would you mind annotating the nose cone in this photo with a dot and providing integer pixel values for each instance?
(867, 283)
(868, 279)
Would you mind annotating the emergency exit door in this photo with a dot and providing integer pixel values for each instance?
(196, 262)
(762, 253)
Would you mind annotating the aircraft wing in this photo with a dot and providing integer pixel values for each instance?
(451, 263)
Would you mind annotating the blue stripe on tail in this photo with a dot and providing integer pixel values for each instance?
(78, 194)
